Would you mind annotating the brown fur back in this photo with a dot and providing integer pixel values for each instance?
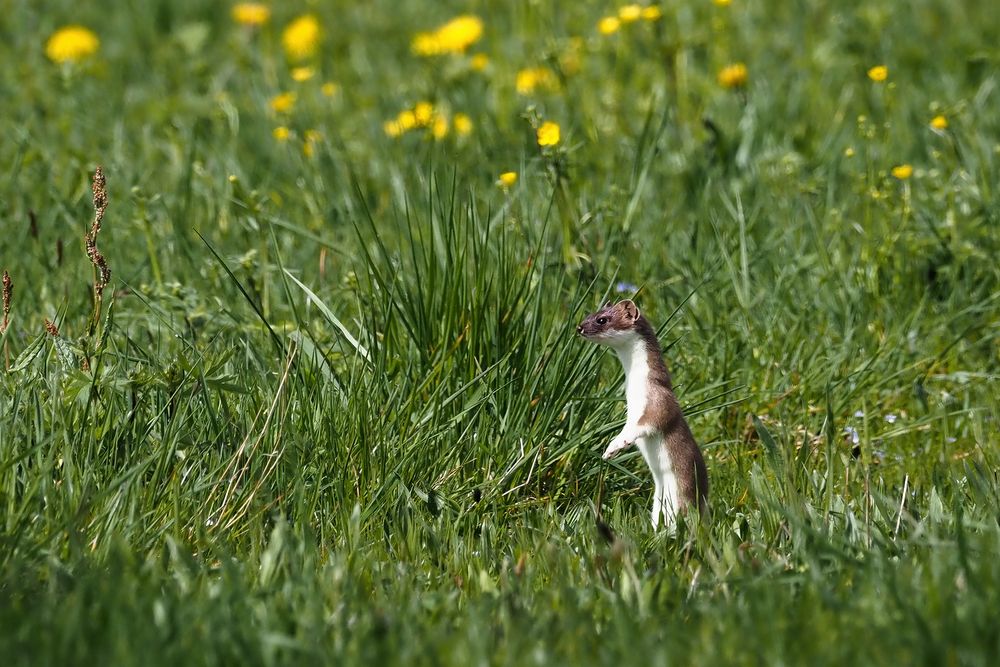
(664, 412)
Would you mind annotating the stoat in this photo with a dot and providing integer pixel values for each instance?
(654, 421)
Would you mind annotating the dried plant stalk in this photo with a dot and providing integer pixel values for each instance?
(8, 295)
(103, 271)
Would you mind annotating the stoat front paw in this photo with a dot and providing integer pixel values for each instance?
(616, 445)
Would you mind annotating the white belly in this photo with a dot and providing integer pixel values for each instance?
(665, 492)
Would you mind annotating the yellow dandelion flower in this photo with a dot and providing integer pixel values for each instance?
(548, 134)
(848, 152)
(722, 3)
(507, 179)
(439, 128)
(534, 77)
(733, 76)
(879, 73)
(939, 123)
(329, 89)
(281, 133)
(479, 62)
(251, 13)
(283, 103)
(407, 120)
(71, 44)
(424, 113)
(393, 128)
(455, 36)
(526, 81)
(460, 33)
(425, 44)
(902, 172)
(629, 13)
(653, 13)
(609, 25)
(301, 74)
(462, 123)
(301, 37)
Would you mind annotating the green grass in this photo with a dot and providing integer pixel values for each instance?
(334, 410)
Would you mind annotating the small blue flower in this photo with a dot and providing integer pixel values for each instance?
(625, 287)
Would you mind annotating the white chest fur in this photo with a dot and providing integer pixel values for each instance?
(635, 361)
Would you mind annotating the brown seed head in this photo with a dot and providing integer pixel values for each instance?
(8, 291)
(51, 328)
(98, 259)
(99, 188)
(8, 295)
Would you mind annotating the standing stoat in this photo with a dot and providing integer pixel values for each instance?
(654, 420)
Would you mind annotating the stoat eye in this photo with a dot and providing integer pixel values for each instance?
(602, 321)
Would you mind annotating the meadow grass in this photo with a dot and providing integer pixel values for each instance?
(330, 406)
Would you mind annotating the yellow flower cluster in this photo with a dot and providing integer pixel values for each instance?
(300, 74)
(310, 138)
(939, 123)
(733, 76)
(71, 44)
(455, 36)
(531, 78)
(283, 103)
(507, 179)
(251, 13)
(629, 13)
(879, 73)
(462, 123)
(424, 115)
(902, 172)
(547, 134)
(301, 38)
(609, 25)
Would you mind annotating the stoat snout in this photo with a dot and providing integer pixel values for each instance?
(611, 325)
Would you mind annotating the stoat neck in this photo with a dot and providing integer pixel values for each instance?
(635, 361)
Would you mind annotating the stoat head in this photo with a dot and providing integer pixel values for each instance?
(612, 325)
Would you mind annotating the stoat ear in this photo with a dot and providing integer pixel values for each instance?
(631, 310)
